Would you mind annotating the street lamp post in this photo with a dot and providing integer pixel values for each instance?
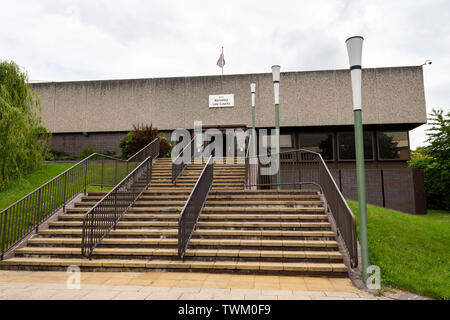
(354, 48)
(276, 91)
(253, 90)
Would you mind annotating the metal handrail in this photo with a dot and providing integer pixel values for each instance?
(191, 211)
(105, 214)
(178, 168)
(313, 170)
(25, 215)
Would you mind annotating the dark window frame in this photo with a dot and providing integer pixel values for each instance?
(292, 141)
(333, 140)
(378, 146)
(354, 160)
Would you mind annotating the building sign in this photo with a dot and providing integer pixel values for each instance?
(221, 101)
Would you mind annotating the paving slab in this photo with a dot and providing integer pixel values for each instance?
(174, 285)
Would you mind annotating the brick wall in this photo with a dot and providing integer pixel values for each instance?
(73, 143)
(400, 189)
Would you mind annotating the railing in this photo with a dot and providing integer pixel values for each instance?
(24, 216)
(179, 164)
(303, 167)
(194, 205)
(103, 217)
(343, 216)
(251, 166)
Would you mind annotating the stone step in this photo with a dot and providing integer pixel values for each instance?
(234, 185)
(249, 203)
(206, 217)
(198, 170)
(141, 265)
(194, 179)
(220, 197)
(204, 224)
(222, 191)
(223, 209)
(201, 233)
(309, 245)
(198, 254)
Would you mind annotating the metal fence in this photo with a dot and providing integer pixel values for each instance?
(24, 216)
(103, 217)
(193, 207)
(300, 168)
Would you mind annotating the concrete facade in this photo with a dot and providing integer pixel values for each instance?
(307, 99)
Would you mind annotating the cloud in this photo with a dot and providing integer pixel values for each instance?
(76, 40)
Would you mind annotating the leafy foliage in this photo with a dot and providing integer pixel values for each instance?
(23, 138)
(86, 151)
(55, 155)
(139, 137)
(434, 159)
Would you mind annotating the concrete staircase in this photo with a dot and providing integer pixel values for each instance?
(248, 231)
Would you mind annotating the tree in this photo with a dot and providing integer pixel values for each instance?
(434, 159)
(23, 138)
(439, 135)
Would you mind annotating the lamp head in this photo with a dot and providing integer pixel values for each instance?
(354, 49)
(253, 87)
(276, 73)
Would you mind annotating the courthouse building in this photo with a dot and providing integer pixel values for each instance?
(316, 113)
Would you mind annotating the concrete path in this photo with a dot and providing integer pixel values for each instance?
(46, 285)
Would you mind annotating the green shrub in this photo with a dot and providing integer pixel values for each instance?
(139, 137)
(86, 152)
(23, 138)
(434, 159)
(124, 144)
(54, 155)
(165, 147)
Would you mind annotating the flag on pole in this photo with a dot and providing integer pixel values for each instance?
(221, 61)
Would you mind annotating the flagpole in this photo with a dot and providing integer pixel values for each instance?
(222, 58)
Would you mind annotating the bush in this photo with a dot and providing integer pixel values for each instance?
(141, 136)
(86, 152)
(23, 138)
(165, 147)
(54, 155)
(437, 179)
(435, 161)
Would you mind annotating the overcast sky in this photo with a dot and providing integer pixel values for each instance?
(56, 40)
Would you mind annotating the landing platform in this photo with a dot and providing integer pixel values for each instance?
(48, 285)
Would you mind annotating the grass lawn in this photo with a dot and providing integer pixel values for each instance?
(412, 251)
(21, 187)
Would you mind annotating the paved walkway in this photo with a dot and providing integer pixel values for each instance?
(45, 285)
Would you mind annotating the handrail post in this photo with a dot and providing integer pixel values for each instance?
(65, 193)
(38, 210)
(85, 176)
(4, 235)
(115, 208)
(101, 183)
(115, 172)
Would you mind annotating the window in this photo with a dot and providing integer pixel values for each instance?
(318, 142)
(393, 145)
(270, 140)
(285, 141)
(346, 146)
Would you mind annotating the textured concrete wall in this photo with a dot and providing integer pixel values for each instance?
(390, 95)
